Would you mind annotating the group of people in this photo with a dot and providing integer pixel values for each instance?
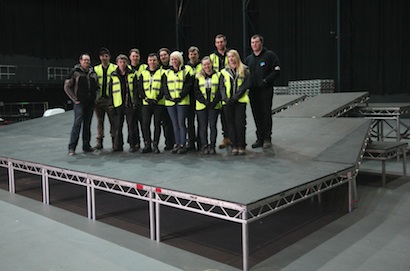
(173, 93)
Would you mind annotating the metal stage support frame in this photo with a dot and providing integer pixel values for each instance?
(381, 113)
(155, 196)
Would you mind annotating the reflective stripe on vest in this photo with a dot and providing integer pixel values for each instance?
(175, 83)
(116, 88)
(228, 86)
(99, 71)
(214, 81)
(152, 85)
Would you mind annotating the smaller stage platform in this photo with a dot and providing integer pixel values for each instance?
(283, 102)
(326, 105)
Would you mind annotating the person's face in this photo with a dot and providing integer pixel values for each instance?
(85, 62)
(152, 62)
(193, 56)
(207, 66)
(164, 57)
(175, 63)
(232, 61)
(256, 44)
(105, 58)
(220, 43)
(134, 58)
(122, 64)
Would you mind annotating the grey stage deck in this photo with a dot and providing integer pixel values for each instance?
(326, 105)
(304, 150)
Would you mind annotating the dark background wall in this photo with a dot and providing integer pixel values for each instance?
(375, 36)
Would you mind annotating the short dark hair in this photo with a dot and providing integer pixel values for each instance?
(257, 36)
(134, 50)
(164, 49)
(220, 36)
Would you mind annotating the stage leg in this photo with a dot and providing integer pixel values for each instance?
(45, 186)
(12, 187)
(158, 221)
(151, 215)
(90, 199)
(245, 242)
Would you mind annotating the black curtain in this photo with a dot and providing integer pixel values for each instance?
(374, 39)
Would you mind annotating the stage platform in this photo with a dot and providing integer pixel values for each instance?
(309, 156)
(326, 105)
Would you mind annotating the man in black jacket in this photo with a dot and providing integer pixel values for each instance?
(264, 67)
(81, 87)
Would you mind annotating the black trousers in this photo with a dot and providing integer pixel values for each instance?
(261, 104)
(192, 135)
(235, 115)
(147, 112)
(208, 118)
(168, 130)
(138, 123)
(121, 113)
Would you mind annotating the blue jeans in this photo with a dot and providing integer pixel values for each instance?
(178, 114)
(83, 114)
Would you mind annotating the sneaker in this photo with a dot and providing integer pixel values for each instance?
(267, 144)
(99, 146)
(212, 151)
(175, 149)
(257, 144)
(155, 149)
(235, 151)
(137, 146)
(117, 149)
(132, 149)
(71, 152)
(225, 143)
(241, 151)
(182, 150)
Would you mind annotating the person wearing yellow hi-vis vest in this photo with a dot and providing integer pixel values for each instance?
(153, 102)
(234, 84)
(208, 104)
(177, 83)
(103, 72)
(123, 101)
(137, 66)
(219, 61)
(193, 135)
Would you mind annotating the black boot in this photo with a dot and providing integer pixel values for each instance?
(155, 148)
(147, 148)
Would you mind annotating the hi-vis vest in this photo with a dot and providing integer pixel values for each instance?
(175, 83)
(215, 62)
(116, 88)
(228, 86)
(214, 82)
(141, 68)
(99, 71)
(151, 85)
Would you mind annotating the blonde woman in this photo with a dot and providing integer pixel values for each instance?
(177, 83)
(234, 84)
(208, 104)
